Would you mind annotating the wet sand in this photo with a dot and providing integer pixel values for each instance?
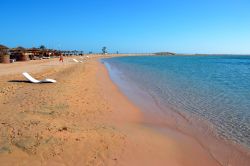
(83, 119)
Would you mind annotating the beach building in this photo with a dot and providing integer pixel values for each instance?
(4, 54)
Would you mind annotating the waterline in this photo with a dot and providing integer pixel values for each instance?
(215, 89)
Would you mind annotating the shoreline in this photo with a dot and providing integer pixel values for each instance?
(219, 148)
(170, 135)
(84, 119)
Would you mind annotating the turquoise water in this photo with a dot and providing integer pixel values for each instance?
(214, 88)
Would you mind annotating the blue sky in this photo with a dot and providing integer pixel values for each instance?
(183, 26)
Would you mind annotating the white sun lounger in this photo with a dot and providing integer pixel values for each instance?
(77, 61)
(33, 80)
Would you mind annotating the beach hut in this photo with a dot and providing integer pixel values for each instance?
(34, 53)
(81, 53)
(20, 54)
(45, 53)
(50, 53)
(4, 55)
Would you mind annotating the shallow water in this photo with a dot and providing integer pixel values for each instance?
(213, 88)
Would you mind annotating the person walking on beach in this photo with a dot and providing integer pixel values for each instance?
(61, 58)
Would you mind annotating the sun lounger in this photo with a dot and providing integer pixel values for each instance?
(33, 80)
(77, 61)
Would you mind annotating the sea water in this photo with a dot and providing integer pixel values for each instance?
(213, 88)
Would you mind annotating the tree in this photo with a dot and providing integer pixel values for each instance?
(43, 52)
(42, 47)
(104, 50)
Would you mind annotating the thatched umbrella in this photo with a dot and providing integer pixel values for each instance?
(19, 53)
(33, 49)
(4, 55)
(33, 52)
(3, 47)
(18, 50)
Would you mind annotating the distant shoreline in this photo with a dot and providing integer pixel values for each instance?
(177, 54)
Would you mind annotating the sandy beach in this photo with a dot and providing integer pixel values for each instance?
(83, 119)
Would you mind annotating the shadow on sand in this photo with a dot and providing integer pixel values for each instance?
(19, 81)
(25, 81)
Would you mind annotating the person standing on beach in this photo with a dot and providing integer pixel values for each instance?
(61, 58)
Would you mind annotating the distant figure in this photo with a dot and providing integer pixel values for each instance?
(61, 58)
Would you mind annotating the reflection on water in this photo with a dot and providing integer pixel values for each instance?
(215, 88)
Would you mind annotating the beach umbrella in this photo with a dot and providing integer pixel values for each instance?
(4, 55)
(3, 50)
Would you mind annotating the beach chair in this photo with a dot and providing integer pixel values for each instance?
(77, 61)
(33, 80)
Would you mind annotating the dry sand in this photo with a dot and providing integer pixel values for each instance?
(82, 120)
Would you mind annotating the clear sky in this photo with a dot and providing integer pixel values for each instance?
(183, 26)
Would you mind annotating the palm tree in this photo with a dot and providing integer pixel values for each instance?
(42, 47)
(43, 51)
(104, 50)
